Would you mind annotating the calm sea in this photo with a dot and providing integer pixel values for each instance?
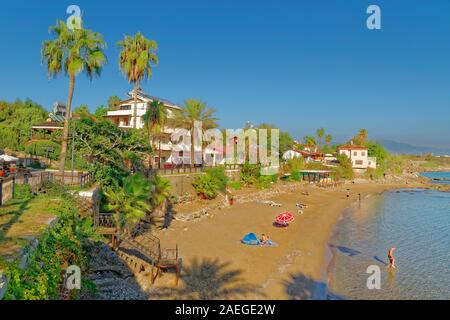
(417, 223)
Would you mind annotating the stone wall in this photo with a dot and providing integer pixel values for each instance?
(182, 184)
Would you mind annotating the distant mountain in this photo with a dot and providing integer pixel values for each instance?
(404, 148)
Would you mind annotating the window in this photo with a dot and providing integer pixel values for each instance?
(355, 153)
(125, 107)
(363, 154)
(359, 162)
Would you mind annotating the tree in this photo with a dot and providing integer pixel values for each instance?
(154, 120)
(361, 137)
(320, 135)
(16, 120)
(129, 202)
(136, 58)
(194, 110)
(108, 148)
(310, 141)
(160, 191)
(328, 139)
(72, 51)
(113, 102)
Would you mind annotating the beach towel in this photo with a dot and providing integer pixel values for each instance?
(251, 239)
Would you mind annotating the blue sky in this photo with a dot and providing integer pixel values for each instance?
(297, 64)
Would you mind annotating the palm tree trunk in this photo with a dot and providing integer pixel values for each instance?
(62, 157)
(192, 147)
(136, 85)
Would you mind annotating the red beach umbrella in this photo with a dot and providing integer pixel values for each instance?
(285, 218)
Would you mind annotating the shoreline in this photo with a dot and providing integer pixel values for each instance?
(293, 270)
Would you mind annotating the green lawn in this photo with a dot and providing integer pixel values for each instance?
(21, 221)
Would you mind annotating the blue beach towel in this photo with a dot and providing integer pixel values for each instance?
(251, 239)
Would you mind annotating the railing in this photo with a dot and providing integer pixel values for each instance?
(186, 169)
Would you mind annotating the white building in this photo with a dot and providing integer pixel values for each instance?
(123, 117)
(359, 156)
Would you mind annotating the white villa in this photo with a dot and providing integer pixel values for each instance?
(123, 117)
(359, 157)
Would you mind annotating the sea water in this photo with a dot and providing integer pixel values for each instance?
(417, 223)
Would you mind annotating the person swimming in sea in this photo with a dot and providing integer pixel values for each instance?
(391, 257)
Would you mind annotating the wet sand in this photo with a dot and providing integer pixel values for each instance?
(217, 265)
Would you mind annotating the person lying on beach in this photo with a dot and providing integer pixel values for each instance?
(264, 240)
(391, 257)
(301, 205)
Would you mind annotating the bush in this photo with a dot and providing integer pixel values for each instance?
(59, 247)
(218, 174)
(265, 182)
(39, 149)
(295, 176)
(250, 173)
(236, 185)
(295, 164)
(344, 170)
(22, 191)
(206, 186)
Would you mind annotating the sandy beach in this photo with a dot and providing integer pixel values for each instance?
(217, 266)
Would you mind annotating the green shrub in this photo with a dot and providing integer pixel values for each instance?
(236, 185)
(39, 149)
(295, 164)
(218, 174)
(250, 173)
(206, 186)
(295, 176)
(59, 247)
(345, 169)
(22, 191)
(265, 182)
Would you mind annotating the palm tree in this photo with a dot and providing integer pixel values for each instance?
(310, 141)
(193, 111)
(74, 51)
(328, 139)
(135, 61)
(130, 202)
(160, 191)
(362, 136)
(154, 120)
(320, 134)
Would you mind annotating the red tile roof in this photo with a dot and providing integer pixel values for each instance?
(352, 147)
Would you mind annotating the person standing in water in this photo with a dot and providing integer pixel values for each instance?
(391, 257)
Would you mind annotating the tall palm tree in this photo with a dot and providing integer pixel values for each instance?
(310, 141)
(320, 134)
(328, 139)
(72, 51)
(362, 136)
(194, 110)
(136, 58)
(154, 120)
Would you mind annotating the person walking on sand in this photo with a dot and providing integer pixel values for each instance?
(391, 257)
(348, 193)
